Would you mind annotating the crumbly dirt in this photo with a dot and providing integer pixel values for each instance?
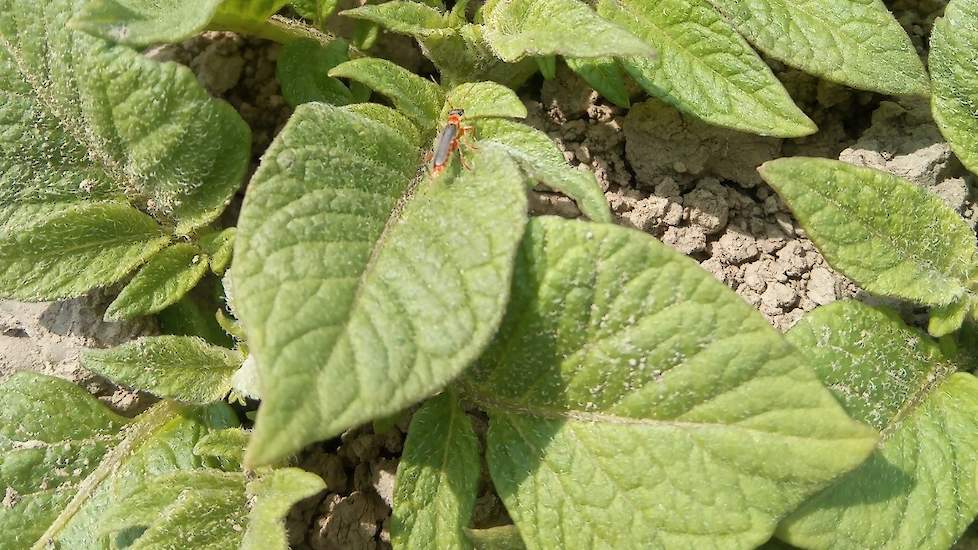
(691, 185)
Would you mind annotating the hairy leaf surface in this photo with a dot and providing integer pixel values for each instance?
(65, 251)
(890, 236)
(182, 368)
(705, 68)
(62, 470)
(917, 489)
(519, 28)
(353, 312)
(410, 18)
(853, 42)
(437, 478)
(954, 71)
(96, 125)
(165, 278)
(543, 163)
(484, 99)
(619, 355)
(418, 98)
(302, 69)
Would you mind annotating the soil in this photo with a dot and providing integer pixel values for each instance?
(691, 185)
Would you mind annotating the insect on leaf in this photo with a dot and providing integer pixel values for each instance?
(619, 355)
(360, 297)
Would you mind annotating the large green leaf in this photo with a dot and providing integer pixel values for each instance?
(519, 28)
(85, 122)
(353, 308)
(145, 22)
(636, 402)
(890, 236)
(166, 278)
(917, 489)
(302, 70)
(955, 78)
(705, 68)
(410, 18)
(852, 42)
(484, 99)
(437, 478)
(418, 98)
(543, 163)
(65, 251)
(183, 368)
(66, 458)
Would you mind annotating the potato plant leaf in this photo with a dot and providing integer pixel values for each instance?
(705, 68)
(890, 236)
(604, 75)
(146, 22)
(302, 69)
(410, 18)
(519, 28)
(949, 318)
(548, 66)
(227, 444)
(61, 471)
(484, 99)
(65, 251)
(401, 124)
(161, 282)
(857, 43)
(182, 368)
(504, 537)
(212, 509)
(543, 163)
(218, 245)
(84, 130)
(619, 355)
(954, 72)
(418, 98)
(358, 295)
(917, 489)
(437, 478)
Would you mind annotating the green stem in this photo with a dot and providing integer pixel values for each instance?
(277, 29)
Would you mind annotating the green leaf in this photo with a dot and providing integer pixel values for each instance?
(917, 489)
(518, 28)
(954, 72)
(949, 318)
(146, 22)
(410, 18)
(463, 55)
(227, 444)
(484, 99)
(218, 245)
(302, 71)
(890, 236)
(174, 367)
(437, 478)
(418, 98)
(705, 68)
(166, 278)
(605, 76)
(635, 401)
(353, 312)
(106, 121)
(504, 537)
(548, 66)
(544, 163)
(65, 251)
(62, 470)
(273, 496)
(401, 124)
(856, 43)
